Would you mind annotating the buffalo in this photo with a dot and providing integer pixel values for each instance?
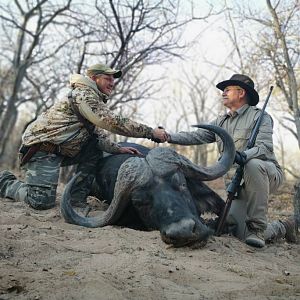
(162, 190)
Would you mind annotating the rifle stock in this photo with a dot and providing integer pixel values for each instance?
(238, 176)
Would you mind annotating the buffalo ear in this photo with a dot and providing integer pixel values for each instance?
(205, 198)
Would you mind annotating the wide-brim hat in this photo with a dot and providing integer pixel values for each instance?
(244, 82)
(99, 69)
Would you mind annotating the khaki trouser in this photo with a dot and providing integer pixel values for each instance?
(249, 210)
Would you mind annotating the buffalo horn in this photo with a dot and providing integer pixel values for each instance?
(127, 177)
(223, 164)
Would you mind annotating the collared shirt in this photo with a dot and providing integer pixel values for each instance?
(239, 125)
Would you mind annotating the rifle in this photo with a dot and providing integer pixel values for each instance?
(233, 187)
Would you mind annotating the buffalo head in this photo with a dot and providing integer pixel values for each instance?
(164, 189)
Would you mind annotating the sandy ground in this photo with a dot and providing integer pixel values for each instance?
(42, 257)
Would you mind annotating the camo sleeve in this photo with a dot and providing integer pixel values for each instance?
(105, 143)
(96, 111)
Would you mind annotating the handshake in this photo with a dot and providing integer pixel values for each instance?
(159, 135)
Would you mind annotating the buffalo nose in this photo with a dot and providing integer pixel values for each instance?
(183, 229)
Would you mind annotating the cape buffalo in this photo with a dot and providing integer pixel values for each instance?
(161, 191)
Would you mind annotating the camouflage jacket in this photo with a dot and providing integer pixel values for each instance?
(60, 125)
(239, 126)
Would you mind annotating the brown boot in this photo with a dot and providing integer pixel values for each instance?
(291, 228)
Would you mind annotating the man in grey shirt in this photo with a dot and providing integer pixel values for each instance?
(262, 174)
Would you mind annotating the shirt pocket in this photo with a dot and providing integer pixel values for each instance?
(241, 137)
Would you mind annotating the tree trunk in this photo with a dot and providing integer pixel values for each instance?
(297, 123)
(291, 91)
(297, 202)
(6, 130)
(200, 155)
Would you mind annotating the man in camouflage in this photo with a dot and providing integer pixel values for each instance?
(73, 131)
(247, 218)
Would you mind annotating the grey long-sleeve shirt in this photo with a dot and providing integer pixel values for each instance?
(239, 126)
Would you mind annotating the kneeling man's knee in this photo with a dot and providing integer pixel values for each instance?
(40, 197)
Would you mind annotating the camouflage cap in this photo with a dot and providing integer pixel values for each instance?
(103, 69)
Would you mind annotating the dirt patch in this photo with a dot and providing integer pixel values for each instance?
(42, 257)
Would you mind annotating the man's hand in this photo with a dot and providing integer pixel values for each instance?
(240, 158)
(130, 150)
(159, 135)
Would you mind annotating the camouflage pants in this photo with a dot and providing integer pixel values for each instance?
(42, 174)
